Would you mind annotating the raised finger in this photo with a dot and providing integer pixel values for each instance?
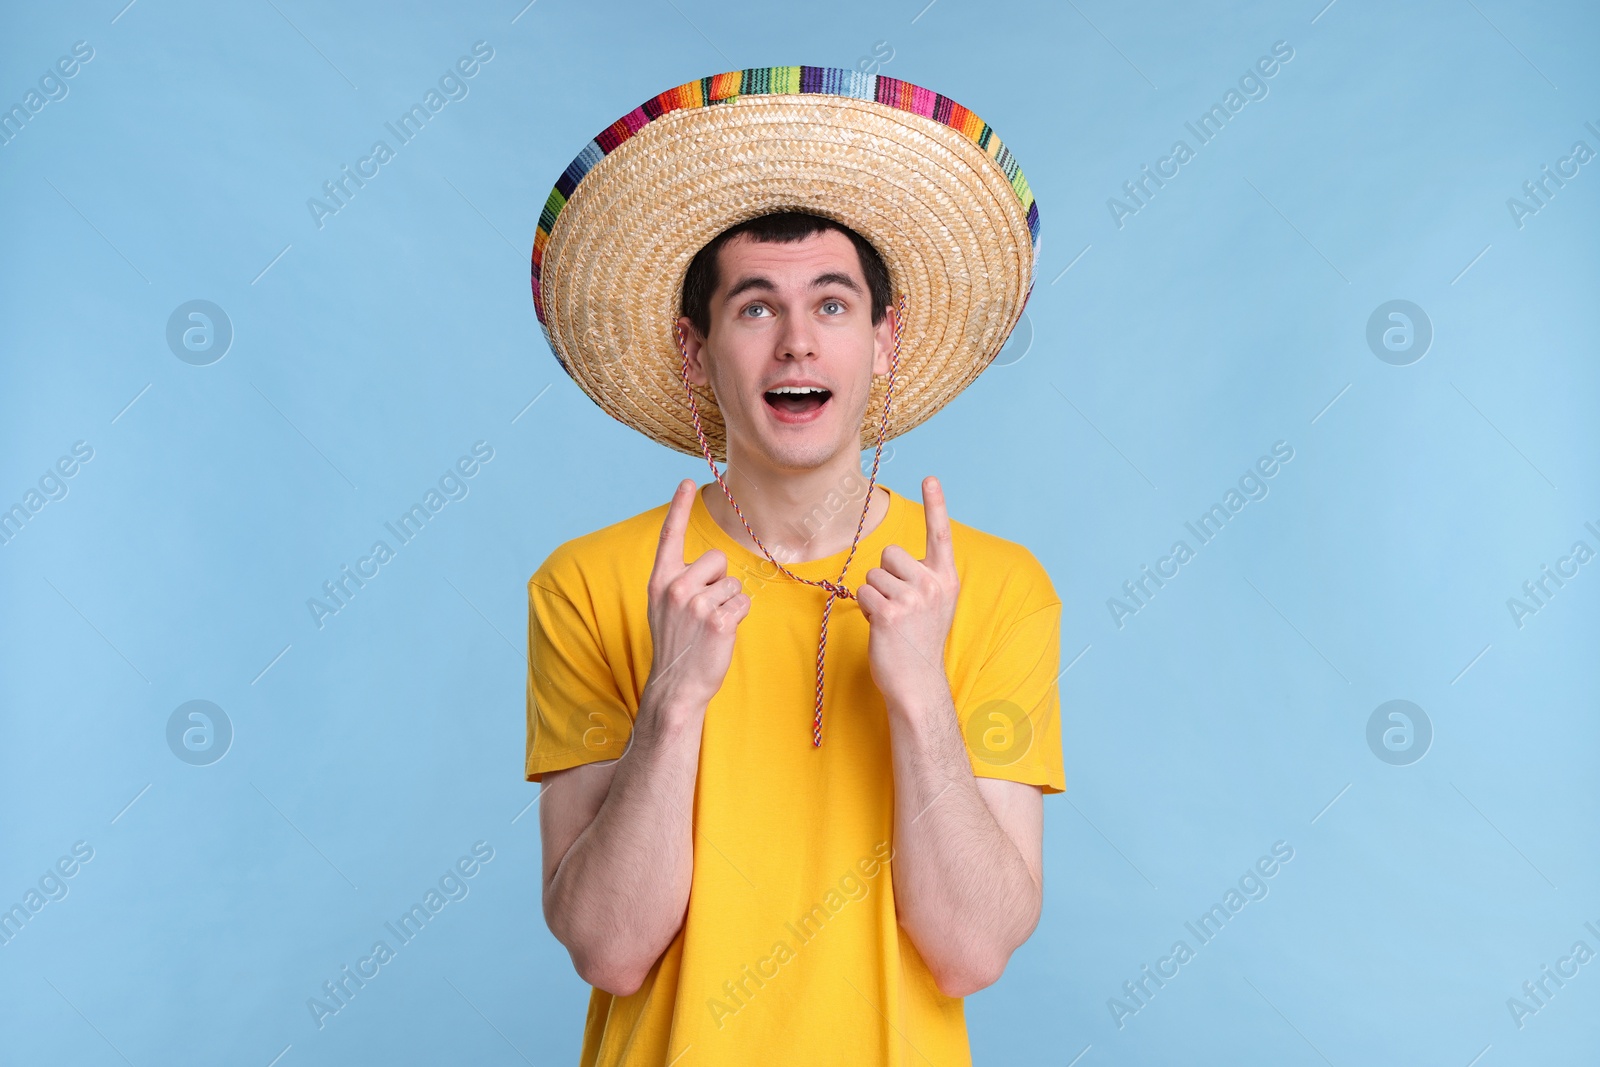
(940, 553)
(669, 550)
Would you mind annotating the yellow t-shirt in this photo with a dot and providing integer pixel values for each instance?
(790, 952)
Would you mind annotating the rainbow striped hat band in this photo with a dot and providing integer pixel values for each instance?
(921, 177)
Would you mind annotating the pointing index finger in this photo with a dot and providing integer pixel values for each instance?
(669, 550)
(939, 551)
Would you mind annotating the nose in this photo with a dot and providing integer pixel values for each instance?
(796, 338)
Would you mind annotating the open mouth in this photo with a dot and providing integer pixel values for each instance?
(797, 401)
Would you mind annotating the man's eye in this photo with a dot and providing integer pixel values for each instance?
(753, 307)
(834, 303)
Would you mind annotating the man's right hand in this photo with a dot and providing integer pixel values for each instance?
(694, 612)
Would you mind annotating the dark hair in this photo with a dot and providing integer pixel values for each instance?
(784, 227)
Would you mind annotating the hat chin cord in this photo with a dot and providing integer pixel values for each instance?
(837, 590)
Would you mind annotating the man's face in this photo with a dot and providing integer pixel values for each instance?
(792, 350)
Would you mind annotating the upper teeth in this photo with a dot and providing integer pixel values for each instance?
(799, 390)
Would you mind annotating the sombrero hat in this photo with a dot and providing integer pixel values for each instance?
(926, 181)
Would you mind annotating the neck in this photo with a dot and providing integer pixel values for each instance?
(800, 515)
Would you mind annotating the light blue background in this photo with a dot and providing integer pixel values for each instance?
(1228, 314)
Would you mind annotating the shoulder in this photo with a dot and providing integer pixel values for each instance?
(612, 556)
(1014, 574)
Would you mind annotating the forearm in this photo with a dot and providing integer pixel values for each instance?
(963, 892)
(620, 894)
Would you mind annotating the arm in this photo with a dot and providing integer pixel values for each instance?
(968, 873)
(619, 849)
(968, 878)
(618, 838)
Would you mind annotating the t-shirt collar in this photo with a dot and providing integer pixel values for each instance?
(743, 555)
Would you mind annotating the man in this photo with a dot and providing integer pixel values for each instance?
(757, 853)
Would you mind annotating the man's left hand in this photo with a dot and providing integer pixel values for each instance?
(909, 604)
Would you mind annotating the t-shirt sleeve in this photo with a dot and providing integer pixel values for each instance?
(576, 714)
(1012, 717)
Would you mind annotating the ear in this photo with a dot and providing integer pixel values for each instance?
(883, 341)
(694, 346)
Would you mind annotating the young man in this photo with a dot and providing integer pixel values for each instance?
(764, 843)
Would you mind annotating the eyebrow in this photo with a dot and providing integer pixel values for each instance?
(757, 281)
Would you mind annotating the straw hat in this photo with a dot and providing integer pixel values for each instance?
(926, 181)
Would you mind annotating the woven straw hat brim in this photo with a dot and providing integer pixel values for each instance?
(957, 232)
